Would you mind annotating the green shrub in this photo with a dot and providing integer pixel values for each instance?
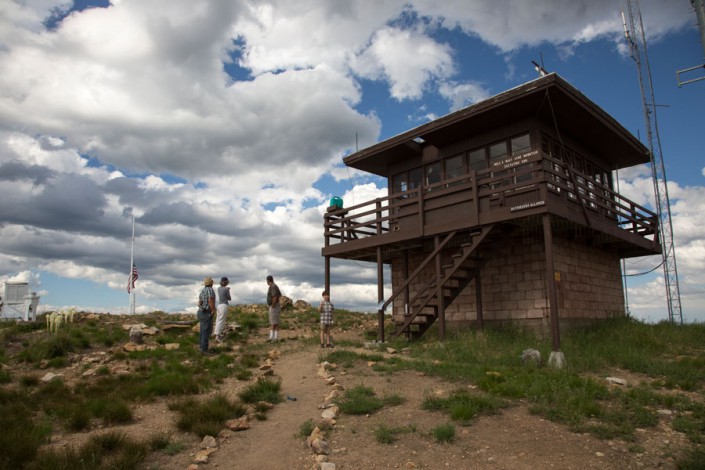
(305, 429)
(360, 400)
(262, 390)
(206, 417)
(444, 433)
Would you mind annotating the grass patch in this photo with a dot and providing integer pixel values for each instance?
(305, 429)
(111, 450)
(163, 442)
(207, 417)
(388, 434)
(262, 390)
(360, 400)
(464, 407)
(444, 433)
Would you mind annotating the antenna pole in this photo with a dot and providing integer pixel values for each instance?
(637, 43)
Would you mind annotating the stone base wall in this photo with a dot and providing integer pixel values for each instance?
(514, 283)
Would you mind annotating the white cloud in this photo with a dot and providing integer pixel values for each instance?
(408, 59)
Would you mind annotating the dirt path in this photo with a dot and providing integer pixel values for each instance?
(272, 444)
(512, 439)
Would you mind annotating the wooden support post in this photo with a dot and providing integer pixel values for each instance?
(380, 296)
(405, 269)
(551, 276)
(439, 294)
(478, 299)
(326, 279)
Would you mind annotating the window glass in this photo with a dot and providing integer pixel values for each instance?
(454, 167)
(476, 160)
(520, 144)
(414, 178)
(433, 174)
(498, 151)
(399, 183)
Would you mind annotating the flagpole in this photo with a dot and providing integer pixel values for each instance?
(132, 263)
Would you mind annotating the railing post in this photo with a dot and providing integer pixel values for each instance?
(378, 216)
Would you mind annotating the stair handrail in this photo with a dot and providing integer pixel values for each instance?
(416, 272)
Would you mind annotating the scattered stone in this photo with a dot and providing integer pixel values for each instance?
(616, 381)
(172, 346)
(267, 373)
(320, 446)
(136, 335)
(265, 367)
(391, 350)
(202, 455)
(239, 424)
(325, 424)
(410, 465)
(302, 305)
(51, 376)
(332, 395)
(664, 412)
(330, 380)
(556, 359)
(274, 354)
(264, 405)
(130, 326)
(327, 466)
(331, 412)
(193, 466)
(531, 356)
(371, 363)
(208, 442)
(493, 373)
(150, 331)
(130, 347)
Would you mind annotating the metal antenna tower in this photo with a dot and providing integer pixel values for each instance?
(699, 8)
(637, 43)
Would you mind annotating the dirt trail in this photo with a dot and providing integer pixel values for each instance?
(272, 444)
(512, 439)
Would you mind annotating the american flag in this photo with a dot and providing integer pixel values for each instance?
(132, 279)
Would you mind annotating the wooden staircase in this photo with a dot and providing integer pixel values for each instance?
(457, 272)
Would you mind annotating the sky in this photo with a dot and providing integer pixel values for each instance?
(221, 126)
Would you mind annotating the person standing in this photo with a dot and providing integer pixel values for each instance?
(326, 311)
(273, 302)
(206, 311)
(223, 302)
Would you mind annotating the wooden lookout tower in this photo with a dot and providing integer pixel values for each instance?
(504, 210)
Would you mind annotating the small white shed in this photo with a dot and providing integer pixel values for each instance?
(18, 303)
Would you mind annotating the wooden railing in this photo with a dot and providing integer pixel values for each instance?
(505, 191)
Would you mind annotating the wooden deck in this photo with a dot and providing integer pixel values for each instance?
(516, 191)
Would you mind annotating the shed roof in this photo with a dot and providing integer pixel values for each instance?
(550, 98)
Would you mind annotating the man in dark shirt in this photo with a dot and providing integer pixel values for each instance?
(273, 302)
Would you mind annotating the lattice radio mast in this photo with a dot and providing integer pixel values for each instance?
(637, 43)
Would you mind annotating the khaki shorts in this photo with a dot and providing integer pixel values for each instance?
(275, 314)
